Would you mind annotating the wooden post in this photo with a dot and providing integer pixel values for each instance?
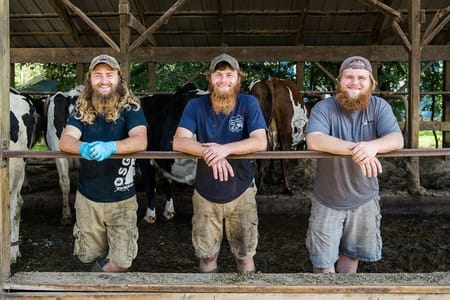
(152, 77)
(80, 74)
(300, 71)
(124, 10)
(446, 105)
(12, 74)
(4, 142)
(414, 58)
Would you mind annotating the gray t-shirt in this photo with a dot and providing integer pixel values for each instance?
(339, 182)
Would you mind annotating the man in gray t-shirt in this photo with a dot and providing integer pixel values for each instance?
(344, 226)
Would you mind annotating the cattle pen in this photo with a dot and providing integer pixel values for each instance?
(138, 285)
(160, 32)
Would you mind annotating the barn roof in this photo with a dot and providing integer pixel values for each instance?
(217, 24)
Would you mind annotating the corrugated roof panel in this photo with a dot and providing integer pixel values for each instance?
(36, 23)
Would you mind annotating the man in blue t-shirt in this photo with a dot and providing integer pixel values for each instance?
(344, 226)
(107, 119)
(225, 123)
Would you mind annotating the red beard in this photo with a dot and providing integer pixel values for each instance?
(224, 102)
(360, 102)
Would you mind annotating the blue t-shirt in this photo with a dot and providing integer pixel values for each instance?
(339, 181)
(110, 180)
(210, 127)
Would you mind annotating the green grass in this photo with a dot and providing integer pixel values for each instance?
(426, 139)
(40, 146)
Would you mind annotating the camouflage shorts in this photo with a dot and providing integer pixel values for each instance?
(106, 230)
(241, 225)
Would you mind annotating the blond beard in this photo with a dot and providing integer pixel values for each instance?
(360, 102)
(105, 104)
(224, 103)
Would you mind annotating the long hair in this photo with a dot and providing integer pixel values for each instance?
(122, 98)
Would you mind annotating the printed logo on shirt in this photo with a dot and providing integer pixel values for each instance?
(236, 123)
(124, 180)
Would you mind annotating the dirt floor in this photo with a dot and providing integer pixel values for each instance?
(415, 229)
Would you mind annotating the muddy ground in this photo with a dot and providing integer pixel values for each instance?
(415, 229)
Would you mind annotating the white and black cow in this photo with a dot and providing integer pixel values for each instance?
(163, 113)
(24, 132)
(57, 110)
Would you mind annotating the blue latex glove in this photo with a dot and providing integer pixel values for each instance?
(102, 150)
(85, 151)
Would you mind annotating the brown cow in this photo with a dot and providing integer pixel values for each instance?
(286, 117)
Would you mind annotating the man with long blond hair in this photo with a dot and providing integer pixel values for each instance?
(344, 226)
(225, 123)
(107, 120)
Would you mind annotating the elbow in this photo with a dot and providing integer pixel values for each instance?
(143, 146)
(263, 145)
(310, 144)
(175, 144)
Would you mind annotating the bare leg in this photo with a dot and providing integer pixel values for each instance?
(245, 265)
(347, 264)
(209, 264)
(110, 267)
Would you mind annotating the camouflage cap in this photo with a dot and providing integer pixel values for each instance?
(104, 59)
(226, 58)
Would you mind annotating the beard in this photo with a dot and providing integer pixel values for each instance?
(224, 102)
(105, 103)
(350, 103)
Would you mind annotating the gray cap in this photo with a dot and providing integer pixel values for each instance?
(356, 62)
(226, 58)
(104, 59)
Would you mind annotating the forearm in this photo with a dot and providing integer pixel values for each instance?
(390, 142)
(187, 145)
(69, 144)
(330, 144)
(249, 145)
(131, 144)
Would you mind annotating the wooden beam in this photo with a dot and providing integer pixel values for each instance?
(259, 285)
(414, 73)
(255, 155)
(383, 7)
(67, 20)
(140, 28)
(124, 11)
(156, 24)
(436, 25)
(4, 142)
(248, 54)
(91, 24)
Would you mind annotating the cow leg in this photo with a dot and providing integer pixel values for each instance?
(285, 166)
(149, 180)
(17, 176)
(62, 165)
(169, 209)
(260, 174)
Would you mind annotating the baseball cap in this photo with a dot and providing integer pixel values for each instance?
(104, 59)
(356, 62)
(226, 58)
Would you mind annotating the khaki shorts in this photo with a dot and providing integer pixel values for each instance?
(106, 230)
(241, 225)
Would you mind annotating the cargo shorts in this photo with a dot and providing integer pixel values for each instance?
(241, 225)
(106, 230)
(352, 232)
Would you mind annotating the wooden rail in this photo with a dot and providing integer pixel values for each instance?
(256, 155)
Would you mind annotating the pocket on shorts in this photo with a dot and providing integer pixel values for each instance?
(132, 245)
(79, 248)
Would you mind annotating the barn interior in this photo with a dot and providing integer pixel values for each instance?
(160, 31)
